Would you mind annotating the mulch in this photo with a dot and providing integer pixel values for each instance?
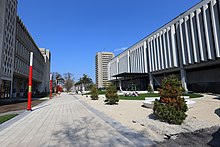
(201, 138)
(7, 105)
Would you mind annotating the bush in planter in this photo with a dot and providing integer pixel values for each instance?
(94, 93)
(171, 107)
(111, 95)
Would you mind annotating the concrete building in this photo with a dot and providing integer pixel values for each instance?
(8, 13)
(15, 46)
(101, 62)
(187, 46)
(45, 86)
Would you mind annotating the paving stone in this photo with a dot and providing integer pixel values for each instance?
(67, 121)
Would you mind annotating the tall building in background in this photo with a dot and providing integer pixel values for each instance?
(101, 60)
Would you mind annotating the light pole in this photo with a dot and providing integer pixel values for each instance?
(30, 82)
(51, 85)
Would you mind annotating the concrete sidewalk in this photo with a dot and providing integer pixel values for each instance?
(67, 121)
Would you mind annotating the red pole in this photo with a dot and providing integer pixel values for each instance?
(30, 82)
(51, 85)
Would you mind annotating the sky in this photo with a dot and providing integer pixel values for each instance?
(75, 30)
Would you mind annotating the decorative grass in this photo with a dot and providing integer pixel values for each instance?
(140, 97)
(193, 95)
(7, 117)
(143, 96)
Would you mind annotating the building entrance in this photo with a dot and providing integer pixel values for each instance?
(5, 89)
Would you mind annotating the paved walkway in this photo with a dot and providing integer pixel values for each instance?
(67, 121)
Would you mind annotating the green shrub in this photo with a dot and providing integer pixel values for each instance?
(168, 113)
(94, 93)
(111, 95)
(171, 87)
(171, 107)
(150, 89)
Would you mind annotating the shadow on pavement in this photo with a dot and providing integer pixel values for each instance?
(89, 132)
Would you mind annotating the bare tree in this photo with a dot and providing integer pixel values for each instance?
(68, 81)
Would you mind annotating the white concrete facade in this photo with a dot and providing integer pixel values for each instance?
(190, 41)
(8, 11)
(45, 86)
(15, 46)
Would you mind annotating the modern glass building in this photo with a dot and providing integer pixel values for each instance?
(187, 46)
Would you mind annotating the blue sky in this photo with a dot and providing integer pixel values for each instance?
(74, 30)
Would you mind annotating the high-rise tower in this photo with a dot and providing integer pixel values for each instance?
(102, 59)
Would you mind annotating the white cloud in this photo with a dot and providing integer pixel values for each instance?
(120, 49)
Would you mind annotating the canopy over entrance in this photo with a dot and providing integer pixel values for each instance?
(131, 75)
